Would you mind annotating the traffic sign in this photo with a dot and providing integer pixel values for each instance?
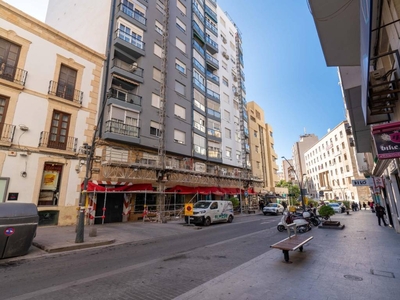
(9, 231)
(189, 209)
(246, 193)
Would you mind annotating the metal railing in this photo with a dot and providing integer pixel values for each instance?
(212, 42)
(125, 96)
(212, 59)
(7, 132)
(199, 65)
(133, 14)
(199, 84)
(56, 141)
(122, 128)
(131, 39)
(212, 28)
(199, 31)
(13, 74)
(128, 67)
(198, 47)
(65, 91)
(214, 113)
(198, 12)
(212, 94)
(211, 13)
(212, 76)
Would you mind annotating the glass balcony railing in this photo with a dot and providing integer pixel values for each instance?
(198, 47)
(199, 149)
(214, 113)
(199, 105)
(200, 127)
(199, 84)
(242, 74)
(212, 76)
(133, 14)
(199, 65)
(212, 42)
(212, 28)
(212, 59)
(246, 131)
(211, 13)
(212, 94)
(200, 32)
(125, 96)
(214, 132)
(132, 39)
(198, 12)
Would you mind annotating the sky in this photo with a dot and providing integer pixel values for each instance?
(284, 66)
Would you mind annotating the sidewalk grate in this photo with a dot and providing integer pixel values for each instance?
(382, 273)
(354, 278)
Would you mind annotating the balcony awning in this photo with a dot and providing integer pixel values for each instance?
(125, 79)
(116, 186)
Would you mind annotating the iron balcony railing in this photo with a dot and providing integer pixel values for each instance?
(57, 141)
(214, 153)
(131, 39)
(125, 96)
(122, 128)
(7, 132)
(212, 28)
(133, 14)
(128, 67)
(13, 74)
(199, 65)
(198, 47)
(65, 91)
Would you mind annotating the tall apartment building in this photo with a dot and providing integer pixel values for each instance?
(299, 148)
(49, 91)
(331, 166)
(288, 171)
(175, 120)
(272, 157)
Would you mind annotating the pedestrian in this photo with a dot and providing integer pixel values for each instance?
(261, 204)
(380, 213)
(365, 206)
(284, 204)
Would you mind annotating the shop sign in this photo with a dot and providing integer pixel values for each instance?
(387, 140)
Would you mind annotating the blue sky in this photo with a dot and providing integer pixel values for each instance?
(285, 69)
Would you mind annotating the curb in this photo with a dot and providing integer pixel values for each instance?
(73, 247)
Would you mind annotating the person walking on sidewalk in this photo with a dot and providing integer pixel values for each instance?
(380, 213)
(365, 206)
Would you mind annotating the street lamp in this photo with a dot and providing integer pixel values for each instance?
(300, 184)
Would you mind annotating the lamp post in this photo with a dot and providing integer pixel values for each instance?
(300, 184)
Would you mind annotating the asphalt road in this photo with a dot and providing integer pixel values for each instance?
(162, 268)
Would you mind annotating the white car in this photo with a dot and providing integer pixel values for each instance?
(273, 208)
(336, 207)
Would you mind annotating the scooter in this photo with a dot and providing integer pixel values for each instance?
(302, 224)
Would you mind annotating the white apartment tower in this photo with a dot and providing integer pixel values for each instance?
(298, 150)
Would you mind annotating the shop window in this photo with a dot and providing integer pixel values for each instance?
(50, 188)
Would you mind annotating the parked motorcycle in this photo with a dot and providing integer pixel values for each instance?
(302, 224)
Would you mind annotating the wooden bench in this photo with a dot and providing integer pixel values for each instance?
(291, 243)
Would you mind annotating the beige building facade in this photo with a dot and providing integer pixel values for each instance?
(49, 91)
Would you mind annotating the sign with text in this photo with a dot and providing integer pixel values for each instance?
(387, 140)
(360, 182)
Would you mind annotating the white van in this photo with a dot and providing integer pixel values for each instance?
(211, 211)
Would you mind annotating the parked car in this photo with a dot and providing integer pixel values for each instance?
(336, 207)
(273, 208)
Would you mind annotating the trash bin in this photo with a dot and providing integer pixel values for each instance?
(18, 223)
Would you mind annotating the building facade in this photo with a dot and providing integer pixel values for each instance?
(272, 157)
(175, 124)
(367, 56)
(49, 91)
(305, 142)
(331, 166)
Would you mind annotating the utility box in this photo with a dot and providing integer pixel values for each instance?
(18, 223)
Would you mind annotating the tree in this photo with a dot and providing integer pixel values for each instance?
(294, 190)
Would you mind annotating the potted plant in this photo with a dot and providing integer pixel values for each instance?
(326, 212)
(235, 204)
(346, 203)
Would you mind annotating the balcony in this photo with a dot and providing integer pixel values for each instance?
(213, 95)
(199, 126)
(129, 43)
(7, 133)
(122, 95)
(242, 74)
(132, 16)
(198, 48)
(198, 32)
(211, 13)
(65, 91)
(213, 2)
(211, 45)
(212, 62)
(120, 128)
(215, 133)
(198, 84)
(199, 66)
(214, 78)
(199, 150)
(214, 153)
(198, 13)
(243, 88)
(13, 74)
(199, 105)
(128, 71)
(214, 113)
(56, 141)
(247, 148)
(246, 132)
(212, 28)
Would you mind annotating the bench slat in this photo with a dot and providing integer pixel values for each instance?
(292, 243)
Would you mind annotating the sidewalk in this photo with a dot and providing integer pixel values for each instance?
(362, 261)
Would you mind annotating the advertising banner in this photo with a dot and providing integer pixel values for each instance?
(387, 140)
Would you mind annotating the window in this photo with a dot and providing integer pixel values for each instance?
(225, 97)
(180, 111)
(180, 66)
(156, 74)
(347, 168)
(199, 144)
(199, 121)
(225, 81)
(258, 115)
(199, 100)
(7, 133)
(181, 7)
(159, 28)
(228, 152)
(232, 46)
(155, 129)
(66, 83)
(236, 104)
(58, 136)
(224, 65)
(237, 136)
(257, 149)
(258, 165)
(180, 88)
(341, 134)
(236, 120)
(237, 155)
(255, 133)
(180, 45)
(9, 55)
(345, 156)
(180, 25)
(179, 136)
(343, 146)
(155, 101)
(130, 35)
(158, 50)
(228, 133)
(227, 116)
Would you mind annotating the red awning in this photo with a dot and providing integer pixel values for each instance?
(124, 187)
